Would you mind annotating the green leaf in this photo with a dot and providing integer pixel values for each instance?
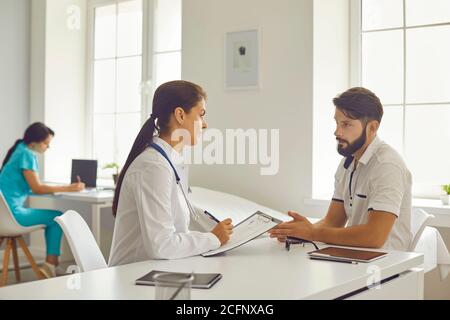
(446, 188)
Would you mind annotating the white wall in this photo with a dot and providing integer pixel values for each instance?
(65, 85)
(59, 80)
(284, 102)
(14, 71)
(331, 76)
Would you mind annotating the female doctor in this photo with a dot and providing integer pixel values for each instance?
(150, 204)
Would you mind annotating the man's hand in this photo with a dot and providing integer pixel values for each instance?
(299, 227)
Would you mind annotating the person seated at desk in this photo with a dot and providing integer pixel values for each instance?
(152, 211)
(372, 184)
(19, 178)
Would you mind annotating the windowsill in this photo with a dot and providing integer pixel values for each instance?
(416, 202)
(432, 206)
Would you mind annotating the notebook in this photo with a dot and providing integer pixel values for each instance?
(201, 280)
(344, 254)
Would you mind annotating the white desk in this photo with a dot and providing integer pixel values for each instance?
(225, 205)
(261, 269)
(96, 199)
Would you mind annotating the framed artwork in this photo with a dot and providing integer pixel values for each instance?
(242, 59)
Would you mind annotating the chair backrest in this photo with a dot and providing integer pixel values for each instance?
(9, 226)
(419, 220)
(81, 241)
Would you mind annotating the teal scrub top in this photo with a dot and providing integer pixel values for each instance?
(13, 185)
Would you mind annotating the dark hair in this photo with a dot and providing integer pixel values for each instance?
(37, 132)
(167, 98)
(360, 103)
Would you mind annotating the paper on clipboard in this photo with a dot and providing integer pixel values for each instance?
(247, 230)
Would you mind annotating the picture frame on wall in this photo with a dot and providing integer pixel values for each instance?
(242, 60)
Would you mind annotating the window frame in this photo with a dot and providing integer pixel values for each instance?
(420, 190)
(147, 64)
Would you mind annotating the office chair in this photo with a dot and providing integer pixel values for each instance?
(419, 220)
(13, 233)
(85, 250)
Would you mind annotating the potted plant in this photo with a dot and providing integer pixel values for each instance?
(446, 195)
(115, 166)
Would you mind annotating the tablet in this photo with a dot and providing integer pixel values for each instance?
(344, 254)
(201, 280)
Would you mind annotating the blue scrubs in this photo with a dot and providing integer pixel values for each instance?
(15, 189)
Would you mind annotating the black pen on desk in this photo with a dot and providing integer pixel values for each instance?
(341, 261)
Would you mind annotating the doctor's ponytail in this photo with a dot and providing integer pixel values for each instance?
(168, 97)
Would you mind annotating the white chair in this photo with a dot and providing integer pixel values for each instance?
(81, 241)
(11, 231)
(419, 220)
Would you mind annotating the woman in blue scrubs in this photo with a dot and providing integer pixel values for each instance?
(19, 178)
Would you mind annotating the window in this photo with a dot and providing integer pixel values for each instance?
(123, 71)
(404, 52)
(116, 79)
(167, 41)
(400, 50)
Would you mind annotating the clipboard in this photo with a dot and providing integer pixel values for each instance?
(249, 229)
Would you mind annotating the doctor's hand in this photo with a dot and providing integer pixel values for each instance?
(223, 230)
(299, 227)
(76, 186)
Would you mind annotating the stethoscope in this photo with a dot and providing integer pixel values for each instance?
(192, 212)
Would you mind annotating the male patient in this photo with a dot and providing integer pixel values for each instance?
(371, 205)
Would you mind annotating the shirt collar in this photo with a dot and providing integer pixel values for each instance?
(173, 155)
(24, 146)
(367, 155)
(370, 151)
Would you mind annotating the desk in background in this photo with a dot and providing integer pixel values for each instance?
(97, 200)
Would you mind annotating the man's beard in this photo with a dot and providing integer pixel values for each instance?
(352, 147)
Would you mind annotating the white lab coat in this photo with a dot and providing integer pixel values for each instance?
(153, 218)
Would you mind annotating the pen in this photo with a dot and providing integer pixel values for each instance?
(341, 261)
(211, 216)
